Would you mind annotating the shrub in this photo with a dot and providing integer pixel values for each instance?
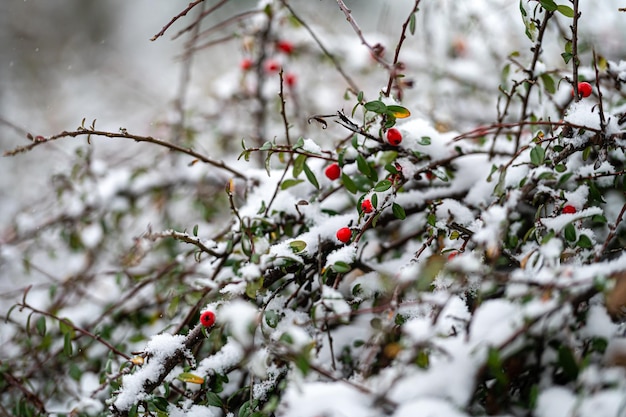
(486, 275)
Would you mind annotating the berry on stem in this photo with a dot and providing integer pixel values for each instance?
(453, 255)
(290, 79)
(333, 171)
(245, 64)
(344, 234)
(285, 46)
(394, 137)
(568, 209)
(271, 65)
(207, 318)
(584, 89)
(366, 206)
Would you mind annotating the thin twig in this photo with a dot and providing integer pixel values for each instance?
(396, 57)
(375, 54)
(353, 87)
(175, 18)
(125, 135)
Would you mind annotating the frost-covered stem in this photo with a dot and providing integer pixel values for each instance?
(532, 77)
(283, 114)
(353, 87)
(194, 337)
(600, 107)
(375, 54)
(26, 393)
(260, 111)
(575, 61)
(183, 237)
(396, 57)
(125, 135)
(611, 235)
(183, 86)
(68, 323)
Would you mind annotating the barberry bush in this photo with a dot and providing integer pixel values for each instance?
(425, 222)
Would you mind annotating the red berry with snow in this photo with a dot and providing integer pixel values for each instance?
(366, 206)
(271, 65)
(569, 209)
(207, 318)
(290, 79)
(333, 171)
(245, 64)
(584, 89)
(344, 234)
(453, 255)
(394, 137)
(285, 46)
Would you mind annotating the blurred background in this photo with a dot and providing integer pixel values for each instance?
(64, 60)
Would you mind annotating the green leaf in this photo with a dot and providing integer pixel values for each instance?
(548, 83)
(412, 24)
(341, 267)
(214, 400)
(266, 146)
(560, 168)
(570, 232)
(288, 183)
(195, 230)
(549, 5)
(297, 245)
(67, 345)
(299, 144)
(65, 326)
(311, 176)
(302, 362)
(376, 106)
(567, 57)
(398, 211)
(424, 140)
(349, 184)
(584, 242)
(40, 325)
(160, 403)
(271, 318)
(565, 10)
(298, 165)
(537, 155)
(172, 307)
(363, 166)
(567, 361)
(384, 185)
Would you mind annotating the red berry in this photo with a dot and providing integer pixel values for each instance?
(333, 171)
(245, 64)
(584, 89)
(207, 318)
(271, 65)
(430, 176)
(569, 209)
(366, 206)
(344, 234)
(290, 79)
(452, 255)
(285, 46)
(394, 137)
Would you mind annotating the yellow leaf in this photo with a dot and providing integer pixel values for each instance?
(399, 112)
(191, 378)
